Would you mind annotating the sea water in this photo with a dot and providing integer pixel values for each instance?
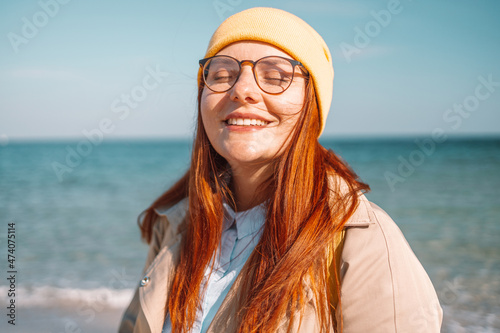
(75, 210)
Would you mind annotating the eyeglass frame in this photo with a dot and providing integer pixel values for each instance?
(293, 62)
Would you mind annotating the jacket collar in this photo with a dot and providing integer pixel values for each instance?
(362, 216)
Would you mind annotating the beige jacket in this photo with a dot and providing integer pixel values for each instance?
(384, 288)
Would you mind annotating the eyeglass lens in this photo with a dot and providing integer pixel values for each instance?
(273, 74)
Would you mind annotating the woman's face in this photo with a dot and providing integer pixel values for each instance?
(251, 145)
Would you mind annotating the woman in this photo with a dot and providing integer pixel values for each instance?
(268, 231)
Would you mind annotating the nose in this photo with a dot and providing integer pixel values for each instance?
(245, 89)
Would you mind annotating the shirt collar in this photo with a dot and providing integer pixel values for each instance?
(247, 222)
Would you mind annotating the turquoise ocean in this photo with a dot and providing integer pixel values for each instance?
(74, 209)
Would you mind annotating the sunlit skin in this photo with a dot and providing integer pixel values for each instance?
(249, 149)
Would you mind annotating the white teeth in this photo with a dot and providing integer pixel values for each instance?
(246, 122)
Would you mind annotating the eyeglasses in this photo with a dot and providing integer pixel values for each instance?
(273, 74)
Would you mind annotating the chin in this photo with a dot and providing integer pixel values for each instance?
(244, 157)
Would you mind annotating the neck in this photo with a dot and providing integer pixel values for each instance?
(245, 185)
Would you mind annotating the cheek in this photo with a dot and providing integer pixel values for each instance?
(203, 103)
(289, 107)
(211, 102)
(210, 118)
(207, 110)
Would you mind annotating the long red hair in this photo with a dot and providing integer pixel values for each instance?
(306, 209)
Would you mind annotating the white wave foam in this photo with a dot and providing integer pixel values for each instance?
(47, 296)
(457, 320)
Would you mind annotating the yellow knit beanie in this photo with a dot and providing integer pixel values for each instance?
(287, 32)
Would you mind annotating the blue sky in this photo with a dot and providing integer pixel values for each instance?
(67, 67)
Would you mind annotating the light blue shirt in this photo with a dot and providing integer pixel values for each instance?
(240, 234)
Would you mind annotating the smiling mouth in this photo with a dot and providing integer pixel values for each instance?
(246, 122)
